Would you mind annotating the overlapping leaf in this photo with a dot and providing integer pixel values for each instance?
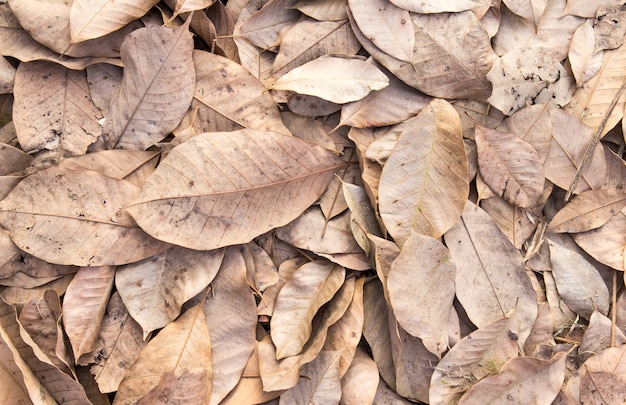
(235, 186)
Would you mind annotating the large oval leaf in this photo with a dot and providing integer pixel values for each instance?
(226, 188)
(425, 183)
(72, 217)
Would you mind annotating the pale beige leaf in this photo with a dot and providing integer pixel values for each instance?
(259, 267)
(385, 395)
(103, 80)
(481, 353)
(20, 295)
(285, 272)
(155, 289)
(424, 184)
(591, 102)
(439, 6)
(188, 388)
(566, 154)
(312, 232)
(114, 163)
(52, 109)
(229, 97)
(334, 79)
(391, 105)
(602, 388)
(62, 387)
(579, 283)
(319, 383)
(262, 27)
(375, 333)
(79, 212)
(358, 385)
(311, 106)
(224, 22)
(530, 75)
(284, 373)
(309, 39)
(584, 59)
(89, 19)
(542, 332)
(597, 337)
(490, 277)
(230, 312)
(518, 224)
(84, 305)
(16, 42)
(235, 187)
(18, 381)
(332, 10)
(40, 318)
(117, 347)
(186, 6)
(346, 333)
(588, 9)
(606, 243)
(181, 345)
(448, 63)
(472, 111)
(309, 129)
(589, 210)
(311, 286)
(608, 27)
(528, 9)
(523, 380)
(13, 159)
(533, 125)
(362, 216)
(510, 166)
(421, 290)
(386, 25)
(156, 89)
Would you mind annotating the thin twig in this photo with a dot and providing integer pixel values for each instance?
(584, 162)
(613, 308)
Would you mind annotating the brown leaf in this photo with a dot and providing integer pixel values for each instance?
(481, 353)
(241, 183)
(188, 388)
(438, 6)
(602, 388)
(319, 384)
(228, 97)
(522, 380)
(332, 10)
(421, 290)
(84, 305)
(597, 337)
(78, 212)
(230, 312)
(486, 265)
(156, 90)
(510, 166)
(155, 289)
(589, 210)
(605, 244)
(386, 25)
(89, 19)
(181, 345)
(357, 385)
(117, 347)
(309, 39)
(262, 27)
(311, 286)
(116, 163)
(424, 184)
(53, 110)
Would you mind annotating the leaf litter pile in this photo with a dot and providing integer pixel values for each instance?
(312, 202)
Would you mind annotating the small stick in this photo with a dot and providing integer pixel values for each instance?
(613, 308)
(584, 162)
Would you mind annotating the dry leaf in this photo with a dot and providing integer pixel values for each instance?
(188, 388)
(357, 385)
(522, 380)
(229, 176)
(605, 244)
(510, 166)
(319, 384)
(528, 75)
(589, 210)
(182, 345)
(585, 61)
(311, 286)
(262, 27)
(439, 6)
(155, 289)
(89, 19)
(53, 111)
(84, 305)
(484, 257)
(421, 290)
(332, 10)
(334, 79)
(424, 184)
(156, 90)
(78, 212)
